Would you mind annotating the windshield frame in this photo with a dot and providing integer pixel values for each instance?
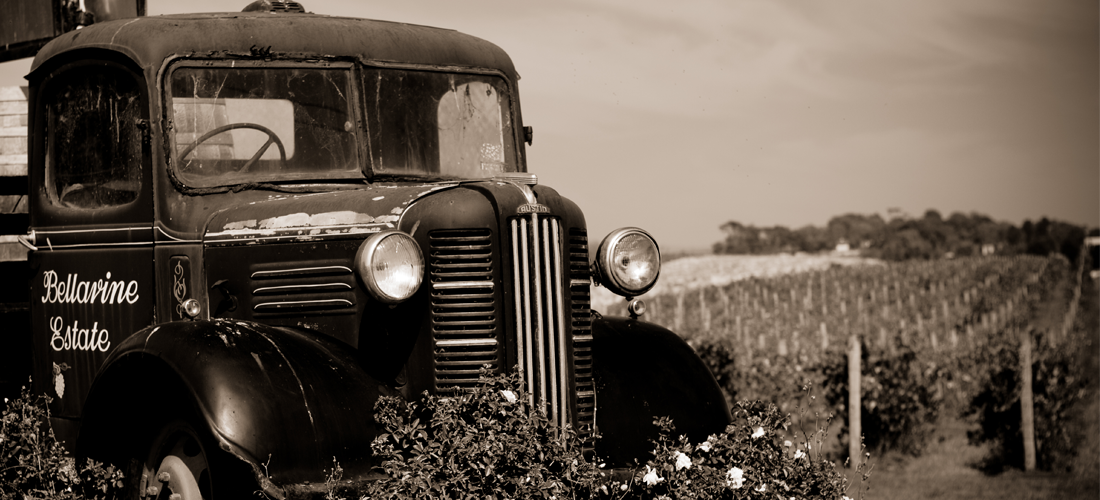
(357, 67)
(180, 179)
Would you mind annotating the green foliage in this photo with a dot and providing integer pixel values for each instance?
(907, 238)
(33, 464)
(1056, 387)
(753, 378)
(487, 442)
(900, 399)
(747, 460)
(490, 443)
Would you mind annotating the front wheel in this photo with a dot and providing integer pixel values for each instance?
(184, 463)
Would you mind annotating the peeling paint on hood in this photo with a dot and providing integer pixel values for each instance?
(318, 215)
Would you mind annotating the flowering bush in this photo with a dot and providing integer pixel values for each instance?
(490, 443)
(747, 460)
(33, 464)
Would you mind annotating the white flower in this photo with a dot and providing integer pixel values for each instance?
(682, 461)
(704, 446)
(735, 478)
(509, 396)
(623, 487)
(798, 454)
(651, 478)
(787, 444)
(761, 488)
(759, 432)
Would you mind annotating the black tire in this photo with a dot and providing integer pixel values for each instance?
(184, 459)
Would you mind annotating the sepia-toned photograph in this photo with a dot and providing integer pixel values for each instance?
(719, 249)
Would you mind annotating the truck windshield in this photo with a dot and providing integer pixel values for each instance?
(433, 124)
(251, 124)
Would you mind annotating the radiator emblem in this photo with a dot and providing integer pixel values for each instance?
(533, 208)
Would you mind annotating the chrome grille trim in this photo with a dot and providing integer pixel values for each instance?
(464, 310)
(303, 288)
(301, 271)
(542, 349)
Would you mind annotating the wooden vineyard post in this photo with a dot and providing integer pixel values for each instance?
(1027, 403)
(678, 315)
(725, 309)
(704, 313)
(855, 433)
(824, 339)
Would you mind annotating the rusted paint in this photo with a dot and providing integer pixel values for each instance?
(311, 216)
(150, 40)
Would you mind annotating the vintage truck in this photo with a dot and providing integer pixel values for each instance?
(245, 228)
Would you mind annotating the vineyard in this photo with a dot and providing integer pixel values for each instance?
(923, 338)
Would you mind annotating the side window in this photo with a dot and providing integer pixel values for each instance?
(93, 148)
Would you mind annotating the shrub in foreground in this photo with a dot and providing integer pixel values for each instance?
(490, 443)
(33, 464)
(487, 443)
(747, 460)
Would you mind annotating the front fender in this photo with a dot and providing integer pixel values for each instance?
(643, 371)
(284, 399)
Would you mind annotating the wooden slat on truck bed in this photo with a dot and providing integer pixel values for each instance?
(13, 172)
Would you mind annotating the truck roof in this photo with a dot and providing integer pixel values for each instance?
(148, 41)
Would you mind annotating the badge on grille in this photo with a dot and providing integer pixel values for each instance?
(533, 208)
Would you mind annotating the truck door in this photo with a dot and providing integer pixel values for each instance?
(91, 217)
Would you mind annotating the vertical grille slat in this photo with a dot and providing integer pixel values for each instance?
(464, 312)
(553, 320)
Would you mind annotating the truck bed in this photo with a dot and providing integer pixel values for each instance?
(15, 335)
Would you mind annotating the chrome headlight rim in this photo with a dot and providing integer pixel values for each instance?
(364, 258)
(603, 264)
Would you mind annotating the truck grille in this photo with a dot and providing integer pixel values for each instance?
(542, 347)
(463, 310)
(580, 285)
(551, 293)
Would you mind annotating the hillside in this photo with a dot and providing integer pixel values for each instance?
(691, 273)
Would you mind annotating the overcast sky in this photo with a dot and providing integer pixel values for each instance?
(677, 117)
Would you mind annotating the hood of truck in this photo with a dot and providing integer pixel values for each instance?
(317, 215)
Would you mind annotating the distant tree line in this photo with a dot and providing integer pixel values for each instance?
(904, 238)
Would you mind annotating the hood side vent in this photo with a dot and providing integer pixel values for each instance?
(302, 290)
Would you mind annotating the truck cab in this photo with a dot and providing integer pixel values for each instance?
(247, 227)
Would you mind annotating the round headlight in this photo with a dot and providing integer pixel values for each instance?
(391, 266)
(628, 262)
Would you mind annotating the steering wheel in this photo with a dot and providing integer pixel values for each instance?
(271, 137)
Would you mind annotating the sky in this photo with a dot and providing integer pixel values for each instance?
(677, 117)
